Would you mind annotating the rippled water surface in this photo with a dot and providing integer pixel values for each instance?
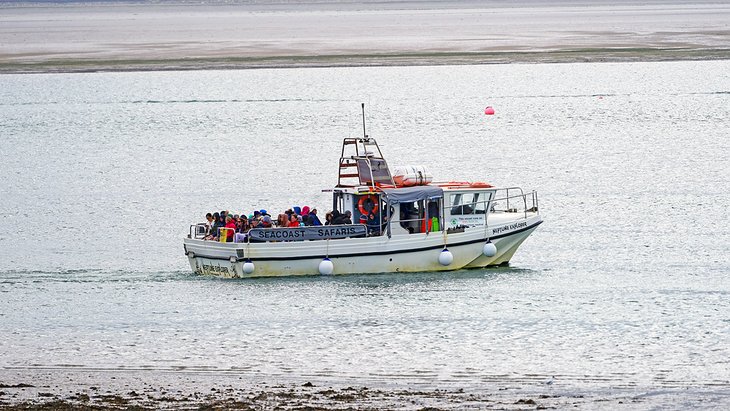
(625, 286)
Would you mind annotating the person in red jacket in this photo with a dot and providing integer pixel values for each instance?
(232, 225)
(293, 221)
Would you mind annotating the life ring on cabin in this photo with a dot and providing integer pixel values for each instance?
(364, 200)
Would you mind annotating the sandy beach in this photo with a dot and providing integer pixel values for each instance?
(122, 36)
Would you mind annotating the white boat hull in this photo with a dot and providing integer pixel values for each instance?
(380, 254)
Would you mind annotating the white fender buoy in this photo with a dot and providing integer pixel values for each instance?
(232, 259)
(248, 267)
(326, 267)
(489, 250)
(445, 257)
(191, 254)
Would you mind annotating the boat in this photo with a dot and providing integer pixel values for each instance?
(411, 224)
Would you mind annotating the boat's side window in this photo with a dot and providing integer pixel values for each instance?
(464, 203)
(456, 208)
(480, 206)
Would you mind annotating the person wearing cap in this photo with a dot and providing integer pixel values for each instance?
(266, 222)
(255, 219)
(348, 217)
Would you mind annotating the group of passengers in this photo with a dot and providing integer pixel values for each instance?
(235, 227)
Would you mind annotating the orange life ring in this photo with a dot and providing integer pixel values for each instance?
(480, 184)
(361, 204)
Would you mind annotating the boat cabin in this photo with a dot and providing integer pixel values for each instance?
(369, 193)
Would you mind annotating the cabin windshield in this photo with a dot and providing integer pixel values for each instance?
(469, 203)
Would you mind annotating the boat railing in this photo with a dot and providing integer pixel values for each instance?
(362, 164)
(513, 200)
(504, 200)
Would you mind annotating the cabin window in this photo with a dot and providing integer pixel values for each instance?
(469, 203)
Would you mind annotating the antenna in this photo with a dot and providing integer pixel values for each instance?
(363, 122)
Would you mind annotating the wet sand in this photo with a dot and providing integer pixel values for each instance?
(67, 38)
(151, 389)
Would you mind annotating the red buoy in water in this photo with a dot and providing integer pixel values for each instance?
(489, 111)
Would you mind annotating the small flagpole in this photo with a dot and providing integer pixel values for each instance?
(363, 122)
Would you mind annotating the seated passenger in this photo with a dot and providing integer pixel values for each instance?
(208, 223)
(344, 218)
(282, 220)
(242, 226)
(313, 219)
(231, 226)
(217, 224)
(293, 221)
(336, 217)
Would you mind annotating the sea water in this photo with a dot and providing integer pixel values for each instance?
(624, 287)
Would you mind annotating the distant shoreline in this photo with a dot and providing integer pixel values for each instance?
(355, 33)
(606, 55)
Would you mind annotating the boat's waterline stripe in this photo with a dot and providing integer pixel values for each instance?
(410, 250)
